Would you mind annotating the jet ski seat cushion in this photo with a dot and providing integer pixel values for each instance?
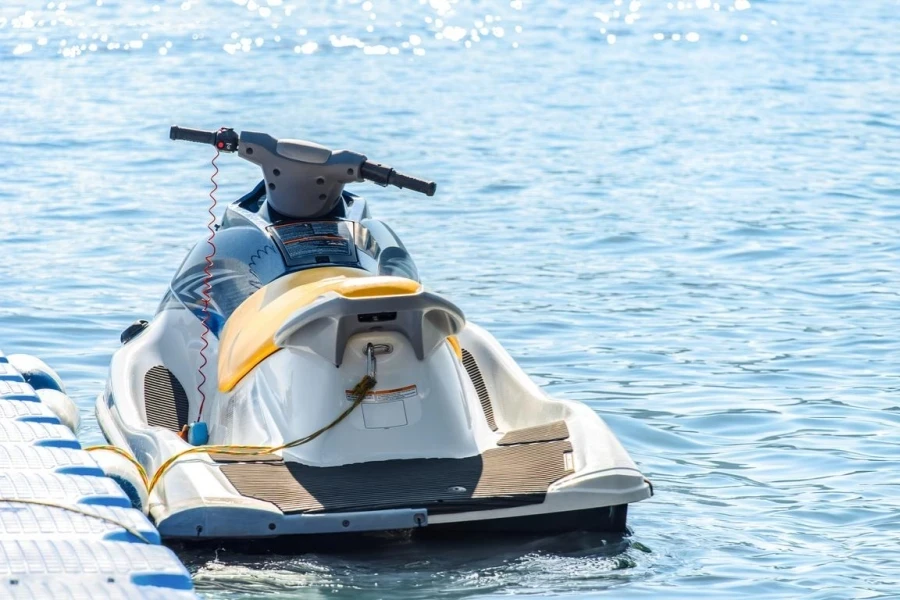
(249, 334)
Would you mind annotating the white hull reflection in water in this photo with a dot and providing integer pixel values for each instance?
(684, 215)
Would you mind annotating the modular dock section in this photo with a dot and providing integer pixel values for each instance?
(66, 530)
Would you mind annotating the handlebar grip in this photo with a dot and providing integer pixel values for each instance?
(412, 183)
(385, 175)
(192, 135)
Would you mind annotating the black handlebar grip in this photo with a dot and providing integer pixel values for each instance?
(376, 172)
(192, 135)
(412, 183)
(384, 175)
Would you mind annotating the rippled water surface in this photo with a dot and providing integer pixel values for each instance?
(683, 214)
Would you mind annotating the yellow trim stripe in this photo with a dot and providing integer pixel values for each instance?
(454, 343)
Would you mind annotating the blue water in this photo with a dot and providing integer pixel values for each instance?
(684, 214)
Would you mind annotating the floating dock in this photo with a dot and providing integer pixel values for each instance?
(66, 530)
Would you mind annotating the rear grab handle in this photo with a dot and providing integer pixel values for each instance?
(325, 326)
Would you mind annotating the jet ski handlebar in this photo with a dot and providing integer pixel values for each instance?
(227, 140)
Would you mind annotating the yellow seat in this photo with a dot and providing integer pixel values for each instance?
(249, 333)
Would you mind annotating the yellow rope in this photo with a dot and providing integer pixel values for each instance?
(131, 459)
(80, 511)
(358, 393)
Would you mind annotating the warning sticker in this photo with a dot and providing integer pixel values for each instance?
(409, 391)
(312, 241)
(292, 232)
(324, 245)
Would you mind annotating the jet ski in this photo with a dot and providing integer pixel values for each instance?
(298, 378)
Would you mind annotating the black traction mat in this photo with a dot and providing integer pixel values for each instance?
(549, 432)
(499, 478)
(165, 400)
(474, 372)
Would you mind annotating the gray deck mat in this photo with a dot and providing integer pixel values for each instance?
(550, 432)
(501, 477)
(474, 372)
(165, 400)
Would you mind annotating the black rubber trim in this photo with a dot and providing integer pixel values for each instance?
(606, 519)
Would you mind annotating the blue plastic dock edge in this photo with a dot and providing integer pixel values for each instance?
(103, 549)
